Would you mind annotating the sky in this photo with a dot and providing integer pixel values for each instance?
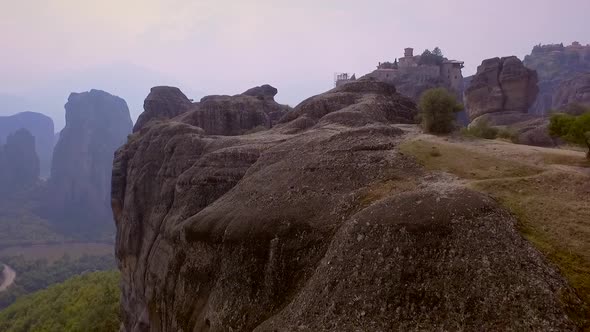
(50, 48)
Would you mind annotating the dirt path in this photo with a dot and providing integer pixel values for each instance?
(8, 278)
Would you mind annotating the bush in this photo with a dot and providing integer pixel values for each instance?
(508, 134)
(572, 129)
(482, 130)
(437, 111)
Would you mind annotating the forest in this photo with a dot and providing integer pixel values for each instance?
(89, 302)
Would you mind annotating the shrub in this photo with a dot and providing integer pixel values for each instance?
(572, 129)
(482, 130)
(508, 134)
(437, 111)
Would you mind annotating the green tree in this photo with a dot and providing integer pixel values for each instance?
(431, 58)
(438, 52)
(572, 129)
(86, 303)
(437, 110)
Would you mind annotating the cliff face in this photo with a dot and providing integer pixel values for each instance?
(319, 223)
(97, 123)
(40, 126)
(573, 91)
(254, 109)
(557, 65)
(500, 94)
(501, 85)
(19, 164)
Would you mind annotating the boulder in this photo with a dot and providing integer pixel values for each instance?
(373, 100)
(40, 126)
(281, 231)
(19, 164)
(78, 193)
(253, 110)
(266, 92)
(501, 85)
(162, 103)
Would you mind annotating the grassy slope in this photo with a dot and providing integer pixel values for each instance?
(84, 303)
(548, 190)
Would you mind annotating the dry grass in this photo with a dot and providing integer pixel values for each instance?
(381, 190)
(455, 159)
(549, 197)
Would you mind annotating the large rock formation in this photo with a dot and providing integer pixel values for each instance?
(97, 123)
(217, 115)
(501, 85)
(318, 224)
(40, 126)
(500, 94)
(19, 164)
(556, 64)
(573, 91)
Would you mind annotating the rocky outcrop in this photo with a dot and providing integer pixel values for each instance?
(78, 195)
(555, 65)
(501, 85)
(500, 94)
(358, 103)
(19, 164)
(318, 224)
(573, 91)
(40, 126)
(162, 103)
(253, 110)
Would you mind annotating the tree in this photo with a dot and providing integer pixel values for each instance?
(438, 52)
(437, 110)
(572, 129)
(431, 58)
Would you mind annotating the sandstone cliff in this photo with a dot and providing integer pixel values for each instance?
(97, 123)
(556, 65)
(40, 126)
(500, 94)
(217, 115)
(318, 224)
(573, 91)
(501, 85)
(19, 164)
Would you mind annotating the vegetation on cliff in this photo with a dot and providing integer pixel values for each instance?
(33, 275)
(85, 303)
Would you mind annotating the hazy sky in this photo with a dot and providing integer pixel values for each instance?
(53, 47)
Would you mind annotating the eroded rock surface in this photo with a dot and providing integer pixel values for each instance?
(557, 65)
(78, 193)
(501, 85)
(318, 224)
(574, 91)
(254, 110)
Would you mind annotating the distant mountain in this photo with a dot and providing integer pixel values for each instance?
(129, 81)
(78, 195)
(40, 126)
(19, 164)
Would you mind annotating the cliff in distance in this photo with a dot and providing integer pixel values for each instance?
(557, 65)
(40, 126)
(320, 223)
(19, 164)
(77, 198)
